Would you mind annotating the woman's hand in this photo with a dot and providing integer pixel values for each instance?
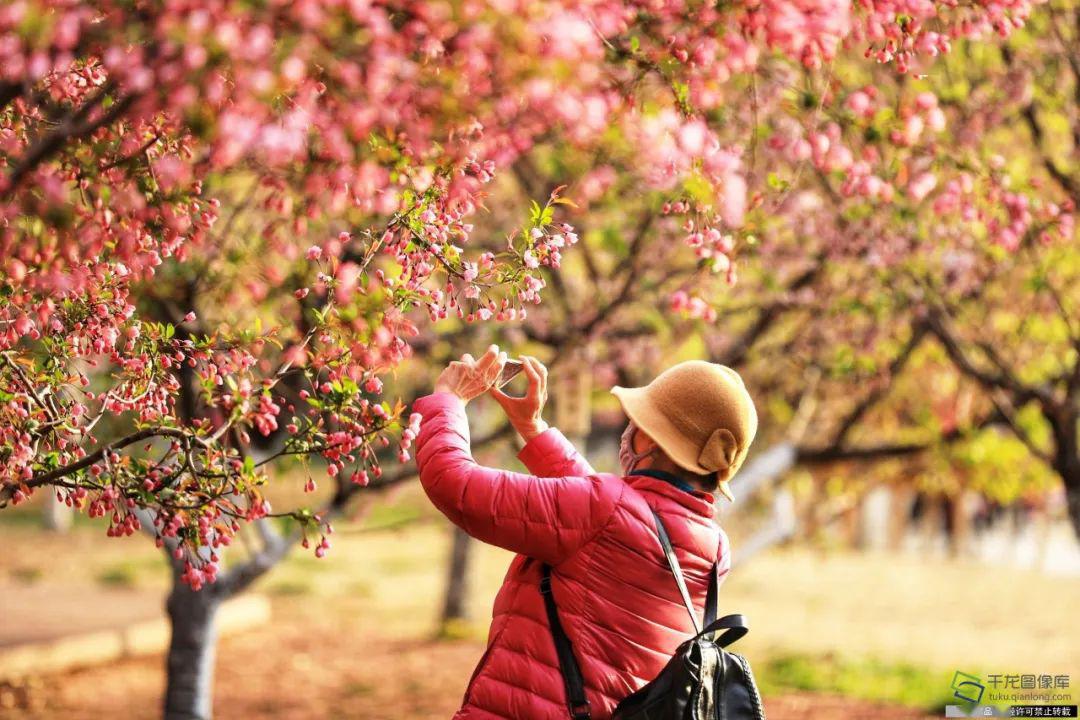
(468, 378)
(525, 413)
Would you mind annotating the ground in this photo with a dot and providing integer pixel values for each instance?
(834, 634)
(317, 672)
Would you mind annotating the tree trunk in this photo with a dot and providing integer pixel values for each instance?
(900, 520)
(1065, 427)
(875, 511)
(190, 663)
(457, 590)
(1072, 498)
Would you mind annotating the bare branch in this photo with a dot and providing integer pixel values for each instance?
(836, 453)
(940, 325)
(630, 281)
(736, 354)
(872, 398)
(1031, 119)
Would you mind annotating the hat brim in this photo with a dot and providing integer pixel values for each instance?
(637, 406)
(645, 415)
(640, 409)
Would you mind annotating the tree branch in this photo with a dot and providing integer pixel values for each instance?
(74, 127)
(918, 334)
(940, 325)
(836, 453)
(736, 354)
(1031, 119)
(53, 476)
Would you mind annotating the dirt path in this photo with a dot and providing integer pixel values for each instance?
(321, 672)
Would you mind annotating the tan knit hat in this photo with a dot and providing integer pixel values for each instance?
(700, 415)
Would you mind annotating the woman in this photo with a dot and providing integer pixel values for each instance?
(689, 431)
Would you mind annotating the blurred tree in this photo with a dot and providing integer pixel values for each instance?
(912, 242)
(455, 599)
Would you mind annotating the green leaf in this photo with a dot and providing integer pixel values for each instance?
(682, 93)
(1037, 282)
(699, 188)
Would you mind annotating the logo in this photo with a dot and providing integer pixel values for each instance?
(1012, 695)
(968, 688)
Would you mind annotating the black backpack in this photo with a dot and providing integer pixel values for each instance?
(702, 681)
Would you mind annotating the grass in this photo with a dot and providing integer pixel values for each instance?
(289, 588)
(456, 629)
(123, 575)
(868, 679)
(26, 575)
(358, 689)
(394, 514)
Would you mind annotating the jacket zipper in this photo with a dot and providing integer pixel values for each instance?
(479, 667)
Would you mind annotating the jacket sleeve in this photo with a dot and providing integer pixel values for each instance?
(547, 518)
(550, 454)
(723, 559)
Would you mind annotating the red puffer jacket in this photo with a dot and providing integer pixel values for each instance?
(617, 599)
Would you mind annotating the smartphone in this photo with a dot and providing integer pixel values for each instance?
(510, 370)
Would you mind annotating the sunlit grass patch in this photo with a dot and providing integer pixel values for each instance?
(128, 573)
(868, 679)
(26, 574)
(289, 588)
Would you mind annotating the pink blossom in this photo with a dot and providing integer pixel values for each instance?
(859, 103)
(23, 325)
(920, 186)
(733, 200)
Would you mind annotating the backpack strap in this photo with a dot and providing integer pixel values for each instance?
(564, 649)
(711, 599)
(571, 672)
(676, 570)
(734, 626)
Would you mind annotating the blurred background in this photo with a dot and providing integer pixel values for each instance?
(899, 290)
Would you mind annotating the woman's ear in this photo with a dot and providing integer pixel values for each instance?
(642, 442)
